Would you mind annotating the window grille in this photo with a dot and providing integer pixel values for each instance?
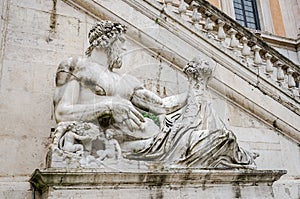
(246, 13)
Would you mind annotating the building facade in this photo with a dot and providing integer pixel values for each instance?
(277, 22)
(255, 91)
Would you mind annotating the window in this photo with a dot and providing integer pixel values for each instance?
(246, 13)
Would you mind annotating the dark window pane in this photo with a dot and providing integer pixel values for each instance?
(237, 1)
(249, 14)
(240, 12)
(247, 3)
(249, 8)
(246, 13)
(239, 6)
(239, 17)
(251, 25)
(241, 23)
(251, 20)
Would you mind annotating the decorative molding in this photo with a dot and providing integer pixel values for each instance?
(280, 42)
(41, 180)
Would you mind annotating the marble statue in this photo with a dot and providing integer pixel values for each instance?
(88, 89)
(114, 107)
(112, 148)
(72, 140)
(68, 141)
(194, 136)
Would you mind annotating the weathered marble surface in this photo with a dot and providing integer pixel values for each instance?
(135, 126)
(27, 83)
(174, 183)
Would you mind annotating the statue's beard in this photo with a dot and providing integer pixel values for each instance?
(115, 63)
(114, 59)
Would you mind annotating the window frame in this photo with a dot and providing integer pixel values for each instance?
(242, 16)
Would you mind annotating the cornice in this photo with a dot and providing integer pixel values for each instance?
(281, 42)
(42, 180)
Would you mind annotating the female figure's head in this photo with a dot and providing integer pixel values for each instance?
(198, 71)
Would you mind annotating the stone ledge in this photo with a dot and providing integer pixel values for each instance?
(42, 179)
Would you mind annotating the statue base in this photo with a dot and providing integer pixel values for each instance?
(172, 183)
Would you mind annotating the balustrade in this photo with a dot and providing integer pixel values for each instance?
(291, 81)
(209, 24)
(182, 8)
(234, 43)
(246, 50)
(196, 16)
(221, 32)
(168, 3)
(221, 29)
(269, 64)
(257, 57)
(280, 73)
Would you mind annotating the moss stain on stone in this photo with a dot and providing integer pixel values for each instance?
(53, 17)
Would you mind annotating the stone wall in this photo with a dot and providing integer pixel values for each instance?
(290, 15)
(36, 36)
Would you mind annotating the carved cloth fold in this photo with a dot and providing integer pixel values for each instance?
(194, 137)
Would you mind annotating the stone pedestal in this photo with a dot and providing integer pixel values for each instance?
(177, 183)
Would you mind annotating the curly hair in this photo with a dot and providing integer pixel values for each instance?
(198, 69)
(103, 34)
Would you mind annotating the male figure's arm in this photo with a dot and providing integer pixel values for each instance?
(121, 110)
(148, 101)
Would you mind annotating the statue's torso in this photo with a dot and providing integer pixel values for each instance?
(112, 84)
